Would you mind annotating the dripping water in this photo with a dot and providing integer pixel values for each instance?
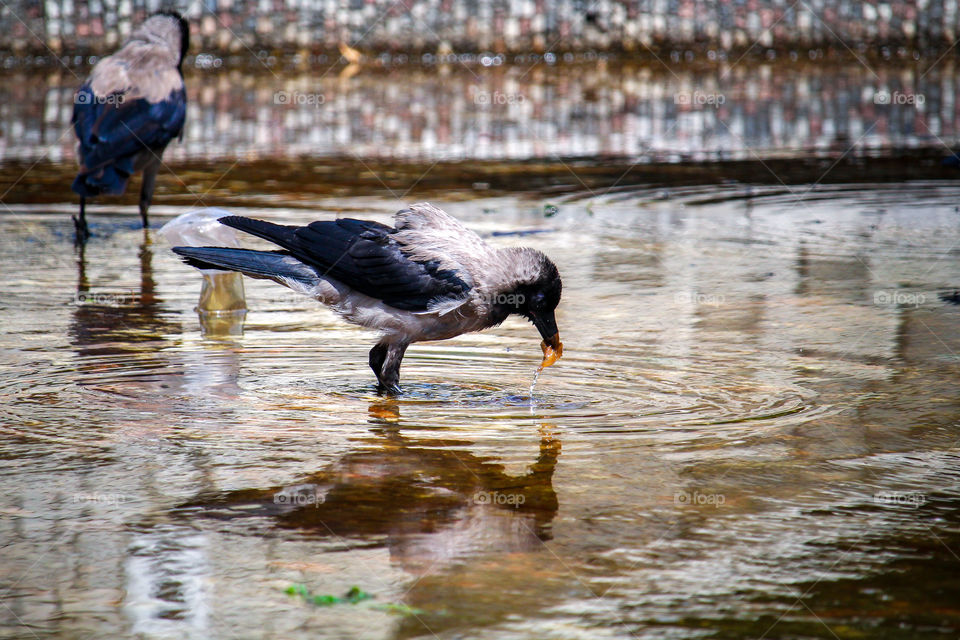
(533, 385)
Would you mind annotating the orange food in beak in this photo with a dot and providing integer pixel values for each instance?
(552, 351)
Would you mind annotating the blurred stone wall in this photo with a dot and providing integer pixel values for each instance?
(236, 26)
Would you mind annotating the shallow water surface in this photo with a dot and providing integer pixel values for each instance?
(753, 432)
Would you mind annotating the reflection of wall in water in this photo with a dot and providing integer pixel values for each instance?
(509, 113)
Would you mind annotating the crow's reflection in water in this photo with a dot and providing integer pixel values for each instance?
(429, 501)
(114, 320)
(121, 336)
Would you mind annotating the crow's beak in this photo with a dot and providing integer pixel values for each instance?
(551, 345)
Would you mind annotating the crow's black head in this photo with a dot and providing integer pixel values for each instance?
(536, 297)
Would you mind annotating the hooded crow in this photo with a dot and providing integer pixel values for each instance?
(127, 112)
(426, 278)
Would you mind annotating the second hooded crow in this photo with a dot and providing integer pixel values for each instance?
(127, 112)
(426, 278)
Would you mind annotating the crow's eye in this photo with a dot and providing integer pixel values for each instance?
(537, 298)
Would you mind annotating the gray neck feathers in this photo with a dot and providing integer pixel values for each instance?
(162, 32)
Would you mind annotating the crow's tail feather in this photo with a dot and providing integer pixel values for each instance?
(274, 265)
(279, 234)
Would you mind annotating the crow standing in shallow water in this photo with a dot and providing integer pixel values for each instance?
(127, 112)
(426, 278)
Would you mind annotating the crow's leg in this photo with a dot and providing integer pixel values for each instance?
(146, 188)
(377, 355)
(80, 224)
(385, 359)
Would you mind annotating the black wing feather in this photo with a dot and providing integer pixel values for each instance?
(363, 255)
(256, 264)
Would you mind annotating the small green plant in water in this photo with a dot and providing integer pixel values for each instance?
(353, 596)
(356, 594)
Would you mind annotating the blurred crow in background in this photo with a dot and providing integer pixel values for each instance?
(127, 112)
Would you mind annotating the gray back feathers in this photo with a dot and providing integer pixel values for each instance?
(426, 232)
(146, 66)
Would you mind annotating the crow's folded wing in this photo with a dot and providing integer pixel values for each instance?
(364, 256)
